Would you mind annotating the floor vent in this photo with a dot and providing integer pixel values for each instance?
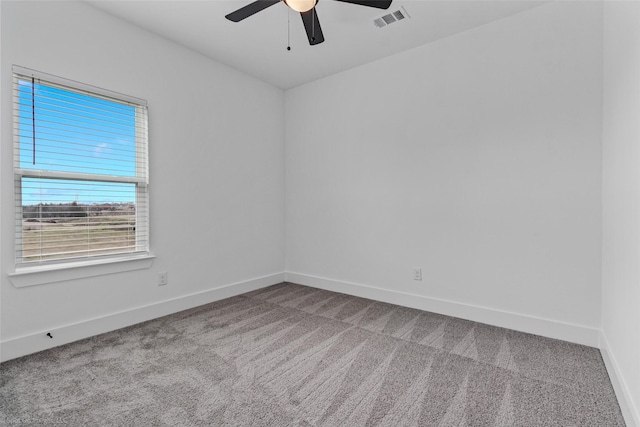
(390, 18)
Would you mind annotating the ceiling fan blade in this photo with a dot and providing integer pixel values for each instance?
(250, 9)
(312, 26)
(380, 4)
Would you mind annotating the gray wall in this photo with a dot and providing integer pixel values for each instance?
(216, 186)
(621, 200)
(476, 157)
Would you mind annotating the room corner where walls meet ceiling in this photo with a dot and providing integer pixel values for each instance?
(257, 45)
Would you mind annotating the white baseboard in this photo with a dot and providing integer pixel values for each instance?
(534, 325)
(629, 409)
(21, 346)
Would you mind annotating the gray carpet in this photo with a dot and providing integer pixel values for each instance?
(290, 355)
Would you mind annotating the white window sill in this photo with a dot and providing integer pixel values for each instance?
(40, 275)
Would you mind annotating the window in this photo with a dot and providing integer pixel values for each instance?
(81, 171)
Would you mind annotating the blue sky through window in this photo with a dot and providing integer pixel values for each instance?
(78, 133)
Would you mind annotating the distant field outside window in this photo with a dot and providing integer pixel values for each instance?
(80, 160)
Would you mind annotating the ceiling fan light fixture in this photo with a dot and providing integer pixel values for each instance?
(301, 5)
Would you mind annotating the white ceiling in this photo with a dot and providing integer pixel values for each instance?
(257, 45)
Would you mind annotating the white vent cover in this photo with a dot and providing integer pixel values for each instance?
(392, 17)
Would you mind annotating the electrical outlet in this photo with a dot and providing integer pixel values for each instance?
(417, 273)
(163, 279)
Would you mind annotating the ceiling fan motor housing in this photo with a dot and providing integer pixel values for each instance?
(301, 5)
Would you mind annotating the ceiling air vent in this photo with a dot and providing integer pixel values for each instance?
(390, 18)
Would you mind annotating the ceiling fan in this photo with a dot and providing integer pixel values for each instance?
(307, 9)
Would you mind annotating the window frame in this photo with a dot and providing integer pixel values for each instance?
(142, 258)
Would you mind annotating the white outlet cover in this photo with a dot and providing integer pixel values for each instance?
(163, 279)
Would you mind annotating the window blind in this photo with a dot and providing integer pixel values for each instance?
(81, 171)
